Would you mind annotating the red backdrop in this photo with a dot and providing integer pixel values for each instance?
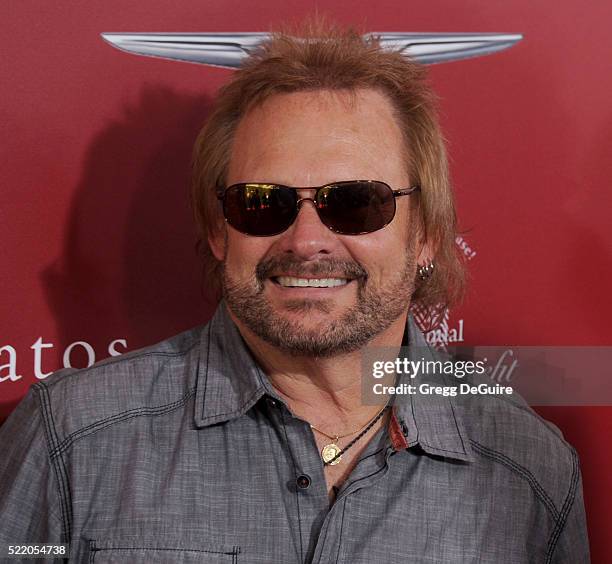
(96, 237)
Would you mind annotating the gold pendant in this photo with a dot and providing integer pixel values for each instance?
(329, 451)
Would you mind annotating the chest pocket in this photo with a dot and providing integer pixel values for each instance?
(135, 551)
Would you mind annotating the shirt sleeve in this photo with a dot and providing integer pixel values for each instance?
(572, 541)
(29, 501)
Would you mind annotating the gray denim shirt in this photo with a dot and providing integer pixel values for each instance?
(182, 452)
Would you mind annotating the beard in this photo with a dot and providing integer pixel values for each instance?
(376, 307)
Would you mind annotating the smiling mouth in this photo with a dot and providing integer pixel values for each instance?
(292, 282)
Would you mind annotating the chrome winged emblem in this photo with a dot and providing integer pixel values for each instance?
(229, 49)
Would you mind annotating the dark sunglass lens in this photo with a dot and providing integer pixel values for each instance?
(259, 209)
(352, 208)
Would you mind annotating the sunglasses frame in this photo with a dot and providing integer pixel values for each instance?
(221, 192)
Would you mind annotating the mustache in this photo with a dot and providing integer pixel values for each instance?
(325, 268)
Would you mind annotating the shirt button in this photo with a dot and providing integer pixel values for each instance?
(271, 402)
(303, 482)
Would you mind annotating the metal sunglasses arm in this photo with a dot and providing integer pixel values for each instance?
(406, 191)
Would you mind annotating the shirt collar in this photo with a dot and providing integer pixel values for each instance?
(433, 421)
(230, 382)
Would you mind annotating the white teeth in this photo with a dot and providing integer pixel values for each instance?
(289, 281)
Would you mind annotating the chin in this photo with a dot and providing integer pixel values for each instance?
(311, 311)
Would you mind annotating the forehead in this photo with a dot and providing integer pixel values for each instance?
(310, 138)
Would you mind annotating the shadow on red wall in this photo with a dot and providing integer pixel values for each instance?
(129, 268)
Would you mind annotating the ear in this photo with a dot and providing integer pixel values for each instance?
(427, 253)
(218, 243)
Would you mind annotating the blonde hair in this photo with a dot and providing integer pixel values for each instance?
(320, 56)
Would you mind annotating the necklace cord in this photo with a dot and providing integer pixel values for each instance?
(336, 437)
(367, 428)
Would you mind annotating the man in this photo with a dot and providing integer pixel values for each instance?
(322, 197)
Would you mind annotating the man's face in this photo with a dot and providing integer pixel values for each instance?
(312, 139)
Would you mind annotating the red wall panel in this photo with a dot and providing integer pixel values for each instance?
(96, 237)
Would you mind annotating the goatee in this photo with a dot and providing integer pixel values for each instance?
(376, 307)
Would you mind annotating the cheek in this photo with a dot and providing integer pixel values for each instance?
(382, 254)
(401, 223)
(244, 252)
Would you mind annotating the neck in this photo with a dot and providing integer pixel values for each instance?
(326, 392)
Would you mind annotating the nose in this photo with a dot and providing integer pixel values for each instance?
(308, 238)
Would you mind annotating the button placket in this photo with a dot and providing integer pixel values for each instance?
(303, 482)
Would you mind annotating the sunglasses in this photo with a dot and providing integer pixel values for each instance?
(350, 207)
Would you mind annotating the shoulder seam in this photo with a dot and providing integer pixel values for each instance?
(567, 505)
(529, 411)
(117, 418)
(521, 471)
(111, 361)
(59, 469)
